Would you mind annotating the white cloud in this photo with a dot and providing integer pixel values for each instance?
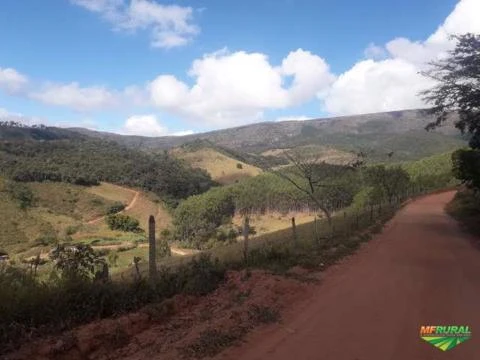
(233, 88)
(373, 86)
(183, 133)
(6, 115)
(169, 25)
(311, 75)
(148, 125)
(393, 83)
(12, 81)
(293, 118)
(375, 52)
(75, 97)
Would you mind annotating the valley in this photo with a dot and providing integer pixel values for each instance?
(64, 191)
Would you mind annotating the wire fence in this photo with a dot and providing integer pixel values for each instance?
(344, 223)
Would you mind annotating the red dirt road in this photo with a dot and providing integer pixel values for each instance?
(422, 270)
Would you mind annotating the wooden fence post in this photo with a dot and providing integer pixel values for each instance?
(294, 232)
(152, 258)
(246, 231)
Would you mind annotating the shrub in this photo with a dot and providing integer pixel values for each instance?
(46, 238)
(71, 230)
(77, 261)
(113, 258)
(22, 194)
(239, 166)
(466, 167)
(163, 249)
(115, 208)
(122, 222)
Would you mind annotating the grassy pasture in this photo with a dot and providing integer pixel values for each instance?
(221, 168)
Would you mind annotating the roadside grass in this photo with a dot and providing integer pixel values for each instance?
(220, 167)
(30, 309)
(274, 221)
(465, 207)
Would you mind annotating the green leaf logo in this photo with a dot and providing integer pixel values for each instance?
(445, 337)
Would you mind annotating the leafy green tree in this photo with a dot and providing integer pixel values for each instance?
(122, 222)
(387, 183)
(76, 262)
(197, 218)
(466, 167)
(457, 87)
(22, 194)
(321, 182)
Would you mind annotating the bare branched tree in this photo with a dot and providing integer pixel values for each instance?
(312, 176)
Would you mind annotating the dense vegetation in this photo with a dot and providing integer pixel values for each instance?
(122, 222)
(85, 161)
(74, 296)
(457, 88)
(201, 219)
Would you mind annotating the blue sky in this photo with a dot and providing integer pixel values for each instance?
(155, 68)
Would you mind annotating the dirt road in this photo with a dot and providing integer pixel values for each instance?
(422, 270)
(128, 207)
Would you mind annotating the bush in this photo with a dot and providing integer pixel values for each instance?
(239, 166)
(47, 238)
(22, 194)
(122, 222)
(163, 249)
(466, 167)
(115, 208)
(32, 308)
(71, 230)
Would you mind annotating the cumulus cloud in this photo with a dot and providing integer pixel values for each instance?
(148, 125)
(373, 86)
(11, 81)
(169, 25)
(231, 88)
(392, 83)
(375, 52)
(76, 97)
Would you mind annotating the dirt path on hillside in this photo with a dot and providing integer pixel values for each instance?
(422, 270)
(128, 207)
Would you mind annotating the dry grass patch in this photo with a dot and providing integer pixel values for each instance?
(221, 168)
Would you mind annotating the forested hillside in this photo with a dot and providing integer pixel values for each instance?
(85, 161)
(402, 132)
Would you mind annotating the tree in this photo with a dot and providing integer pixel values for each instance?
(122, 222)
(466, 167)
(76, 261)
(387, 183)
(457, 87)
(320, 181)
